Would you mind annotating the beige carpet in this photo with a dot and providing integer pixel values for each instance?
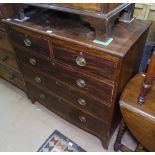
(25, 126)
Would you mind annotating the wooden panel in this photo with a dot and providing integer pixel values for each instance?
(70, 95)
(97, 66)
(8, 59)
(67, 112)
(96, 88)
(97, 7)
(139, 119)
(6, 11)
(145, 11)
(12, 76)
(30, 42)
(4, 42)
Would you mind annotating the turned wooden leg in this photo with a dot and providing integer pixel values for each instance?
(121, 131)
(148, 79)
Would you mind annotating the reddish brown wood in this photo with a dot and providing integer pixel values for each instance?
(30, 42)
(106, 71)
(8, 59)
(101, 17)
(70, 113)
(139, 119)
(69, 76)
(5, 43)
(148, 79)
(8, 65)
(12, 76)
(6, 11)
(66, 92)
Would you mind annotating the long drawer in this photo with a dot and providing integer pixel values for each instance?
(4, 42)
(81, 59)
(8, 59)
(28, 40)
(68, 112)
(99, 89)
(73, 97)
(12, 76)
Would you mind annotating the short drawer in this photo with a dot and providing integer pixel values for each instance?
(74, 97)
(5, 43)
(68, 112)
(99, 89)
(12, 76)
(85, 62)
(8, 59)
(30, 41)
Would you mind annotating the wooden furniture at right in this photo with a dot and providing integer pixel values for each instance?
(137, 106)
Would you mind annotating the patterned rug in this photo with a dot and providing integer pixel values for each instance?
(57, 142)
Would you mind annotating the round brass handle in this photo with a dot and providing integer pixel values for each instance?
(81, 83)
(81, 61)
(38, 79)
(4, 58)
(81, 101)
(42, 96)
(11, 77)
(27, 42)
(32, 61)
(82, 119)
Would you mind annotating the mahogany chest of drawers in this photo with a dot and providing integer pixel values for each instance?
(8, 66)
(77, 79)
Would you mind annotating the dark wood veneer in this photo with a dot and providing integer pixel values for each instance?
(36, 43)
(12, 76)
(8, 59)
(69, 76)
(67, 93)
(93, 63)
(70, 113)
(53, 59)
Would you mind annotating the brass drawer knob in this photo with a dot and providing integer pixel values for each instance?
(4, 58)
(81, 61)
(11, 77)
(82, 119)
(81, 83)
(81, 101)
(42, 96)
(32, 61)
(38, 79)
(27, 42)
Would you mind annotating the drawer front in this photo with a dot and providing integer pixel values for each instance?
(8, 59)
(2, 26)
(27, 41)
(4, 42)
(75, 98)
(86, 63)
(68, 112)
(12, 76)
(98, 89)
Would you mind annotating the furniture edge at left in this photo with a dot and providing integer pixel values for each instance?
(8, 65)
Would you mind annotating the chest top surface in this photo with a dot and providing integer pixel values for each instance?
(71, 28)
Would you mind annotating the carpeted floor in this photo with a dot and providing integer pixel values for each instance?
(25, 126)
